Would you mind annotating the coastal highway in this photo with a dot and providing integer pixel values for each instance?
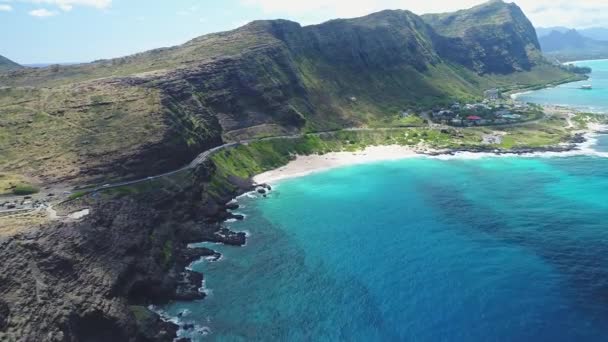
(204, 156)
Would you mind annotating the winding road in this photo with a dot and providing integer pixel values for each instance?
(204, 156)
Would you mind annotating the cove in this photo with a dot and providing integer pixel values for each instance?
(570, 94)
(493, 249)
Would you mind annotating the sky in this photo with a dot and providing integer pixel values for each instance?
(61, 31)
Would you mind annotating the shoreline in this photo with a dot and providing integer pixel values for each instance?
(580, 144)
(303, 166)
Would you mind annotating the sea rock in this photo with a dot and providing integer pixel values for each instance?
(232, 206)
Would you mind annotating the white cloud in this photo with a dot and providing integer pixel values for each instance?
(68, 5)
(5, 8)
(42, 13)
(581, 13)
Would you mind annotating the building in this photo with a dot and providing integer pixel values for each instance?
(503, 112)
(512, 116)
(492, 94)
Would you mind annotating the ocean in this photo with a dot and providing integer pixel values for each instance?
(421, 249)
(570, 94)
(494, 249)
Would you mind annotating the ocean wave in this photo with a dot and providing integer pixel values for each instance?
(201, 330)
(584, 149)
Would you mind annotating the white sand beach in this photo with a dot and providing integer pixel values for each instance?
(305, 165)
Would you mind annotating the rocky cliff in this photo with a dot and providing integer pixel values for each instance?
(266, 78)
(93, 279)
(495, 37)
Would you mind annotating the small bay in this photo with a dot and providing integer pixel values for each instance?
(571, 94)
(490, 249)
(494, 249)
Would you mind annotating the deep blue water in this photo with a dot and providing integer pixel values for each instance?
(570, 94)
(497, 249)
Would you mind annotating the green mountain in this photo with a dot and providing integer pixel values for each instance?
(8, 65)
(494, 37)
(595, 33)
(154, 111)
(571, 45)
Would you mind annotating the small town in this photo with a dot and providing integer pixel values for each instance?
(493, 110)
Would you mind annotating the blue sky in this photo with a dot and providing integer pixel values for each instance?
(45, 31)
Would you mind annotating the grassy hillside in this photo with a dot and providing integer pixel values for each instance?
(154, 111)
(8, 65)
(495, 37)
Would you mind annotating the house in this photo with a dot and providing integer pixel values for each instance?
(474, 120)
(492, 94)
(443, 114)
(456, 121)
(512, 116)
(503, 112)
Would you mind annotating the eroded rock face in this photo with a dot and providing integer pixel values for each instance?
(495, 37)
(64, 282)
(91, 280)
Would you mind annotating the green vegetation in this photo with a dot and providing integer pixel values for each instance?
(585, 70)
(245, 161)
(167, 253)
(58, 132)
(16, 185)
(582, 120)
(456, 24)
(154, 111)
(25, 189)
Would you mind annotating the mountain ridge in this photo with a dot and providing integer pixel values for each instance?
(8, 65)
(572, 45)
(265, 78)
(93, 125)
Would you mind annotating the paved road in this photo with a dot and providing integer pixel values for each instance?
(201, 158)
(204, 156)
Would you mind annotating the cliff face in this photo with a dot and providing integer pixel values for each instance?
(92, 280)
(153, 112)
(491, 38)
(266, 78)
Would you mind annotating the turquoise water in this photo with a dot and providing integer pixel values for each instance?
(595, 100)
(496, 249)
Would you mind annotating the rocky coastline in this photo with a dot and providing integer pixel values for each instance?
(99, 275)
(571, 145)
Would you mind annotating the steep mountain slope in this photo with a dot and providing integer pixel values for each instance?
(153, 111)
(8, 65)
(571, 45)
(595, 33)
(491, 38)
(91, 279)
(543, 31)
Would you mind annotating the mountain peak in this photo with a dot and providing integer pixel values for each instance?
(8, 65)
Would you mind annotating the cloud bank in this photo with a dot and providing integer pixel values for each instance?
(580, 14)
